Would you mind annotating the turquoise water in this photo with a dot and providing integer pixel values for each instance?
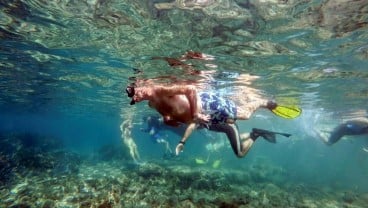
(64, 66)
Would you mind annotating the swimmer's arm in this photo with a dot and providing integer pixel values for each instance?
(186, 135)
(188, 132)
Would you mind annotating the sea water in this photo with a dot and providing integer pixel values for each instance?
(64, 66)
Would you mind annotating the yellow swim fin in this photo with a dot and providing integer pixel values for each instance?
(216, 164)
(289, 112)
(199, 161)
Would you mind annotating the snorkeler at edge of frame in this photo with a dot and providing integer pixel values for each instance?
(349, 128)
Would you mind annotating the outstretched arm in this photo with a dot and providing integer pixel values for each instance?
(186, 135)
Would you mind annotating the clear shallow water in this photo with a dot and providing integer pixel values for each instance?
(64, 66)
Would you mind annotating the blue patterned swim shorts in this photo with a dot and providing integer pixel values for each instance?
(217, 107)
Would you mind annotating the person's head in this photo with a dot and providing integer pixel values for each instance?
(137, 93)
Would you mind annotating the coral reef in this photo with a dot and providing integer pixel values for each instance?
(36, 172)
(107, 184)
(25, 153)
(110, 152)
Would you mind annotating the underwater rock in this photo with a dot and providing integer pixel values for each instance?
(272, 188)
(202, 184)
(48, 204)
(105, 204)
(66, 162)
(21, 205)
(265, 200)
(228, 202)
(106, 184)
(291, 200)
(349, 197)
(112, 152)
(253, 194)
(6, 169)
(149, 170)
(238, 178)
(22, 152)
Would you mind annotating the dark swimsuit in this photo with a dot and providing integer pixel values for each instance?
(220, 110)
(232, 133)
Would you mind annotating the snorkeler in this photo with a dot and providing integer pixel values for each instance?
(182, 104)
(154, 127)
(348, 128)
(126, 130)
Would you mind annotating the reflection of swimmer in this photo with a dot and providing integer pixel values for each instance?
(126, 130)
(215, 8)
(184, 4)
(154, 127)
(349, 128)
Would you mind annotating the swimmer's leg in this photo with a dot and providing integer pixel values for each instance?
(248, 139)
(168, 149)
(239, 146)
(125, 128)
(136, 153)
(245, 112)
(166, 145)
(245, 147)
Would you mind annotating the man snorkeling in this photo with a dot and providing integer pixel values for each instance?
(182, 104)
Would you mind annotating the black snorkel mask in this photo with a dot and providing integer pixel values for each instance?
(130, 91)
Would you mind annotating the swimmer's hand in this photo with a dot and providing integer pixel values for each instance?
(202, 118)
(179, 148)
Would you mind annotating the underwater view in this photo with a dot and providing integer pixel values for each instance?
(184, 103)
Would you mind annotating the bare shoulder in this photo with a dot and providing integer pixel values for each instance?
(174, 89)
